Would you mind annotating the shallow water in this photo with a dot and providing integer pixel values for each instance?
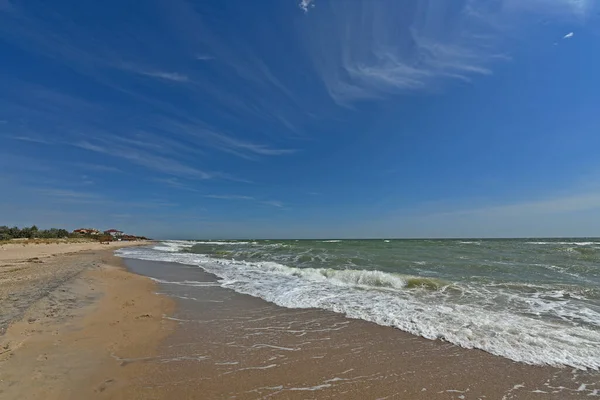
(531, 300)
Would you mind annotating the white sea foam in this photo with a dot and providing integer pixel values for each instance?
(222, 243)
(186, 283)
(173, 246)
(463, 314)
(331, 241)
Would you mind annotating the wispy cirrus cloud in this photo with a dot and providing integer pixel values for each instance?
(175, 183)
(98, 167)
(228, 197)
(166, 57)
(370, 49)
(376, 48)
(202, 135)
(273, 203)
(169, 76)
(242, 148)
(66, 193)
(30, 139)
(579, 9)
(148, 160)
(70, 196)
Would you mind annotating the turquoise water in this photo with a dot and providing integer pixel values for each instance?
(531, 300)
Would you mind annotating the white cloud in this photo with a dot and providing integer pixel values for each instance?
(140, 49)
(30, 139)
(86, 198)
(306, 4)
(569, 35)
(201, 134)
(148, 160)
(560, 8)
(273, 203)
(175, 183)
(70, 194)
(369, 49)
(228, 197)
(170, 76)
(98, 167)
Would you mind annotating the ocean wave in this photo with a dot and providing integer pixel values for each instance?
(360, 278)
(221, 243)
(331, 241)
(566, 243)
(173, 246)
(540, 326)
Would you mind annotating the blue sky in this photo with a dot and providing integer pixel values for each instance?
(287, 118)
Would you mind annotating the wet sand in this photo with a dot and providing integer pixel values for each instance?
(89, 329)
(229, 345)
(82, 314)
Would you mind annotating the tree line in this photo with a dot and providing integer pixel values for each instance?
(32, 232)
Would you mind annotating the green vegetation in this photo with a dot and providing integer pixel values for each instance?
(8, 233)
(32, 232)
(104, 238)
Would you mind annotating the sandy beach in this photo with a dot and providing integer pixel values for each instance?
(74, 314)
(82, 325)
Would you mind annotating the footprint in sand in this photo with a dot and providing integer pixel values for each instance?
(105, 385)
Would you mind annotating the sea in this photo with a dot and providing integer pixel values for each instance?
(535, 301)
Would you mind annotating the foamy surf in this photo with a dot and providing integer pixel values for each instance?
(539, 324)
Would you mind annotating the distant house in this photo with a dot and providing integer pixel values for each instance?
(114, 233)
(87, 231)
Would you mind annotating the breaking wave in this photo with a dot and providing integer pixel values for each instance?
(535, 324)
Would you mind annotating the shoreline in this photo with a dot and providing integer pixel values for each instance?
(85, 324)
(231, 345)
(113, 328)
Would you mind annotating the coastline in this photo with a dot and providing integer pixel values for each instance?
(231, 345)
(81, 325)
(104, 330)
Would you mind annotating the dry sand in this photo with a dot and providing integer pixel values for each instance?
(18, 251)
(83, 317)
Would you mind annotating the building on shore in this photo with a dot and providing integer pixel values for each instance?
(87, 231)
(114, 233)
